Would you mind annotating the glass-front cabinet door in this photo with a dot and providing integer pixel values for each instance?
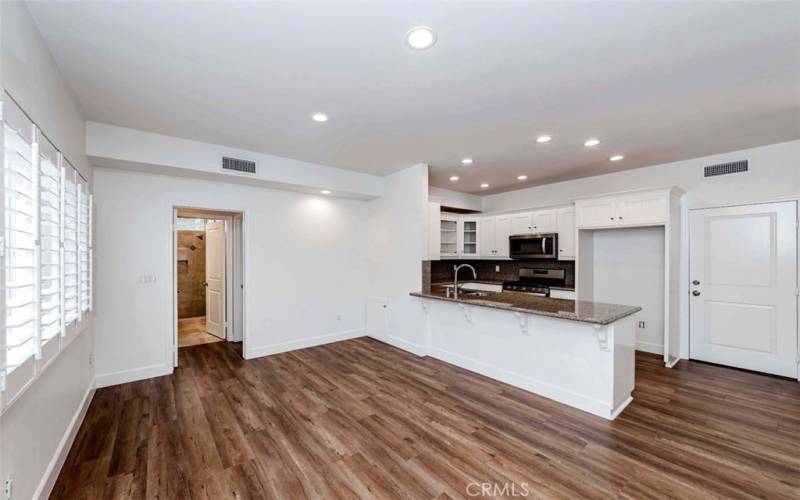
(469, 237)
(449, 236)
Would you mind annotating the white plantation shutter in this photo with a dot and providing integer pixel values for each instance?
(50, 266)
(46, 271)
(20, 287)
(71, 272)
(83, 247)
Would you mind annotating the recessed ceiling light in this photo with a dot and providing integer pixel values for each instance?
(420, 38)
(467, 161)
(543, 138)
(325, 191)
(522, 177)
(484, 185)
(616, 158)
(591, 142)
(454, 178)
(319, 117)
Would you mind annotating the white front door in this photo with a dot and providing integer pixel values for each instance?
(743, 285)
(215, 278)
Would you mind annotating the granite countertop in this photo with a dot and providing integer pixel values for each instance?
(596, 313)
(467, 281)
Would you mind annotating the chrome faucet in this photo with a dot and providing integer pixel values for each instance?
(455, 278)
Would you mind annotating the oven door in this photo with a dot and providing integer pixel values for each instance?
(533, 246)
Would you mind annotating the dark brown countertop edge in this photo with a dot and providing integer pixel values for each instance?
(628, 311)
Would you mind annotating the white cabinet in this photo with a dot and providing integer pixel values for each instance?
(598, 212)
(642, 209)
(543, 221)
(565, 222)
(488, 228)
(635, 209)
(502, 230)
(468, 240)
(521, 223)
(449, 236)
(494, 236)
(459, 236)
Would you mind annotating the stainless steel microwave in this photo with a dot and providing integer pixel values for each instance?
(533, 246)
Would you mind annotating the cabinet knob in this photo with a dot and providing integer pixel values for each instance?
(620, 217)
(612, 218)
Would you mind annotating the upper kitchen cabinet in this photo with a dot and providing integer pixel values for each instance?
(494, 236)
(449, 235)
(521, 223)
(565, 222)
(468, 244)
(646, 208)
(542, 221)
(596, 212)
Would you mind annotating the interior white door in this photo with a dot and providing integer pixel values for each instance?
(743, 282)
(215, 278)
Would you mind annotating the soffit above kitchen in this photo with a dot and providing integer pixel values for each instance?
(654, 82)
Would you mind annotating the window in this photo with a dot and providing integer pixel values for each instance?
(71, 272)
(49, 251)
(84, 250)
(19, 280)
(46, 274)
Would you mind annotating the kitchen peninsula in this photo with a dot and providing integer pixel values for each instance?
(578, 353)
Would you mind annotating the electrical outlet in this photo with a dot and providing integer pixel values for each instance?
(641, 324)
(7, 489)
(497, 269)
(338, 317)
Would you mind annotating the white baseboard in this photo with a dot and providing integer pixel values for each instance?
(267, 350)
(650, 347)
(405, 345)
(132, 375)
(622, 406)
(54, 467)
(587, 404)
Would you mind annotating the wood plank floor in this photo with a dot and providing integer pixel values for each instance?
(360, 419)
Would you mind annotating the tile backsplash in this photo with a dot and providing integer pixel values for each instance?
(441, 271)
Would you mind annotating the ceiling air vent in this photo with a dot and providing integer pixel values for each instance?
(733, 167)
(239, 165)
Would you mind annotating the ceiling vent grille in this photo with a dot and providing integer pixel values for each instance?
(239, 165)
(733, 167)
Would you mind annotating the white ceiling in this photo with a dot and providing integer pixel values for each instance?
(656, 82)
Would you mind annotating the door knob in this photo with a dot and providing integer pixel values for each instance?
(695, 282)
(696, 293)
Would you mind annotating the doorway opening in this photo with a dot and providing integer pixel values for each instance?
(208, 277)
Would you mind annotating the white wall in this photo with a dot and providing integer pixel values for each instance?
(305, 258)
(111, 146)
(774, 174)
(37, 426)
(455, 199)
(397, 245)
(628, 268)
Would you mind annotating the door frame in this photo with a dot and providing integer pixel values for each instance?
(796, 200)
(228, 215)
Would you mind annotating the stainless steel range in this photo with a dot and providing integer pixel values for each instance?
(536, 281)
